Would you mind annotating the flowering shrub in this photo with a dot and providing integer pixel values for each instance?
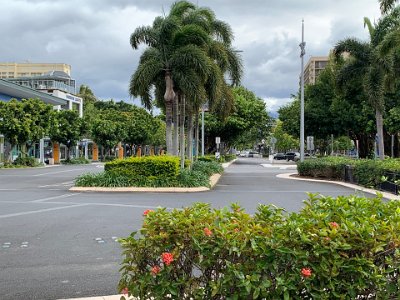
(334, 248)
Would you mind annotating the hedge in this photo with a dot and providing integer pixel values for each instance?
(366, 172)
(146, 166)
(334, 248)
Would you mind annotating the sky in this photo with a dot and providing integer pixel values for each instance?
(93, 37)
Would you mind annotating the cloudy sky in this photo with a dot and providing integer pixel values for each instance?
(93, 37)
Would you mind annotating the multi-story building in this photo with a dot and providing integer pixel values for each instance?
(313, 67)
(17, 70)
(51, 83)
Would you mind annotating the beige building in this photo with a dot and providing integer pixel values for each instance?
(313, 67)
(17, 70)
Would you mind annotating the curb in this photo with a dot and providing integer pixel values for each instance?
(213, 181)
(111, 297)
(345, 184)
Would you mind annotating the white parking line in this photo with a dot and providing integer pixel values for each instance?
(54, 197)
(40, 211)
(51, 173)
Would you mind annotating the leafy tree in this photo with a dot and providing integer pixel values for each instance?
(387, 5)
(68, 129)
(24, 122)
(284, 141)
(366, 61)
(248, 123)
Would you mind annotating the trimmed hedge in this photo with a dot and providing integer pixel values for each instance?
(146, 166)
(223, 158)
(199, 175)
(334, 248)
(366, 172)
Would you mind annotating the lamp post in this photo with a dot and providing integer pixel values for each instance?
(302, 53)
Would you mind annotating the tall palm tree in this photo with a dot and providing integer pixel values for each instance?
(189, 52)
(173, 52)
(365, 60)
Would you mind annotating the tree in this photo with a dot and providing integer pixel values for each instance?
(365, 61)
(248, 123)
(284, 141)
(183, 61)
(24, 122)
(68, 129)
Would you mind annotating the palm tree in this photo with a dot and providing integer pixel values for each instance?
(365, 60)
(189, 52)
(171, 60)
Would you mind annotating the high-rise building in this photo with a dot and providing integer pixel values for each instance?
(313, 67)
(17, 70)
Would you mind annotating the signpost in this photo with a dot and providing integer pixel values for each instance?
(218, 142)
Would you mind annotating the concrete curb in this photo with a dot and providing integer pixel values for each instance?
(213, 181)
(111, 297)
(345, 184)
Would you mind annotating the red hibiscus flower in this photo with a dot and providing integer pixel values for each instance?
(306, 272)
(334, 225)
(167, 258)
(147, 211)
(207, 231)
(124, 291)
(155, 270)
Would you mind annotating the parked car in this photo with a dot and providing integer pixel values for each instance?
(279, 156)
(294, 156)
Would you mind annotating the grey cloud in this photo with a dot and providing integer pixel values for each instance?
(93, 36)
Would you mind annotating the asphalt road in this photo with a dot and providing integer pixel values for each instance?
(59, 244)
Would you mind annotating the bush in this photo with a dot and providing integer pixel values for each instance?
(198, 176)
(76, 161)
(335, 248)
(25, 162)
(328, 167)
(147, 166)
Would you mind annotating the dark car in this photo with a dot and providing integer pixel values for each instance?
(279, 156)
(294, 156)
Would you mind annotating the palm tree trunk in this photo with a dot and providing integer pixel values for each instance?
(379, 129)
(175, 134)
(197, 131)
(182, 129)
(190, 136)
(169, 98)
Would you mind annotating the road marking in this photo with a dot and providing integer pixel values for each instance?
(39, 211)
(54, 197)
(57, 184)
(51, 173)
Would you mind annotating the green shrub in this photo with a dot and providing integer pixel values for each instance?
(335, 248)
(147, 166)
(76, 161)
(25, 162)
(329, 167)
(229, 157)
(207, 167)
(102, 179)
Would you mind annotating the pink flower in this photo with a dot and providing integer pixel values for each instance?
(306, 272)
(236, 229)
(207, 231)
(334, 225)
(167, 258)
(155, 270)
(124, 291)
(145, 213)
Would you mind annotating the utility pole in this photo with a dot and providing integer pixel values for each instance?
(302, 53)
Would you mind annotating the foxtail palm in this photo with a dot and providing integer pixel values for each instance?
(387, 5)
(365, 60)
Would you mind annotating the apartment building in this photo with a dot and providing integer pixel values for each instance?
(17, 70)
(313, 67)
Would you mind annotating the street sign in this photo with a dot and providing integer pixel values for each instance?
(217, 155)
(218, 140)
(310, 143)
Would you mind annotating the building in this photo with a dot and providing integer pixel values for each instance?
(51, 83)
(17, 70)
(313, 67)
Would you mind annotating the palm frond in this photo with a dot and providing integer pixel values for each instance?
(357, 49)
(191, 34)
(387, 5)
(371, 28)
(191, 57)
(180, 8)
(143, 34)
(152, 54)
(235, 68)
(202, 17)
(222, 31)
(218, 52)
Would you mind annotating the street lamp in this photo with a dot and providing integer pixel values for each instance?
(302, 53)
